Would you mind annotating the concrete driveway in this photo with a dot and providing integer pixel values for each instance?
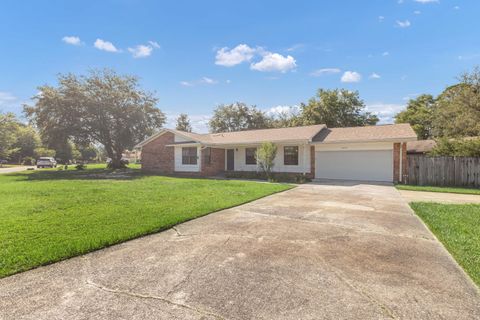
(315, 252)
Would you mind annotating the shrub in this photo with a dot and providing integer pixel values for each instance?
(265, 156)
(458, 148)
(274, 177)
(80, 166)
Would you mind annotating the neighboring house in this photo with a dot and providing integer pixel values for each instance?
(132, 156)
(420, 146)
(374, 153)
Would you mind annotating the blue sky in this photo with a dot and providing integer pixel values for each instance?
(198, 54)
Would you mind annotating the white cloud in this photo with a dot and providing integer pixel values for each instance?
(375, 76)
(325, 71)
(417, 12)
(105, 46)
(186, 83)
(381, 18)
(282, 110)
(351, 76)
(11, 103)
(469, 56)
(426, 1)
(207, 80)
(410, 96)
(203, 80)
(296, 47)
(386, 53)
(270, 61)
(229, 58)
(403, 24)
(6, 97)
(384, 111)
(75, 41)
(141, 51)
(456, 7)
(154, 44)
(274, 62)
(228, 81)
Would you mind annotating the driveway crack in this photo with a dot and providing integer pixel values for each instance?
(364, 293)
(189, 274)
(147, 296)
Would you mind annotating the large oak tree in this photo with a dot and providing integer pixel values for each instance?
(420, 114)
(237, 117)
(101, 107)
(336, 108)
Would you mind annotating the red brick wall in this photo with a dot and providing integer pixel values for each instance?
(396, 162)
(312, 163)
(217, 162)
(156, 156)
(404, 162)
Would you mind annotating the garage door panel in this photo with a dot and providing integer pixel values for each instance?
(372, 165)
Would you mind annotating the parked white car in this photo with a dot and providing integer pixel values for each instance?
(46, 162)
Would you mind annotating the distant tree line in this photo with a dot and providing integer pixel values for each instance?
(21, 143)
(335, 108)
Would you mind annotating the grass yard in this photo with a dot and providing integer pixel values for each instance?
(49, 215)
(439, 189)
(457, 226)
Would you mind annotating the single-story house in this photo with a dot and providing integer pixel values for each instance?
(374, 153)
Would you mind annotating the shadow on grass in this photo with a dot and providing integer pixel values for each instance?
(88, 174)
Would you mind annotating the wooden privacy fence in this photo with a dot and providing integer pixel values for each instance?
(443, 171)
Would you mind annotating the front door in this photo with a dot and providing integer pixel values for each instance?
(230, 159)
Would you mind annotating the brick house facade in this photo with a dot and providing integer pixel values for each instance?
(377, 153)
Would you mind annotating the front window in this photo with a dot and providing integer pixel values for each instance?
(290, 156)
(250, 156)
(189, 155)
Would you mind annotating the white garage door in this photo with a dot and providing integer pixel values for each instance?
(373, 165)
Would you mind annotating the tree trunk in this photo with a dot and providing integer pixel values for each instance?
(116, 158)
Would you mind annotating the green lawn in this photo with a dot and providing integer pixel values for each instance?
(49, 215)
(457, 226)
(439, 189)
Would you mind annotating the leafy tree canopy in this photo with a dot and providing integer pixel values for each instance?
(419, 113)
(26, 141)
(101, 107)
(237, 117)
(183, 123)
(458, 108)
(9, 127)
(336, 108)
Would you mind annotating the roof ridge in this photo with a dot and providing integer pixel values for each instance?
(371, 126)
(262, 129)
